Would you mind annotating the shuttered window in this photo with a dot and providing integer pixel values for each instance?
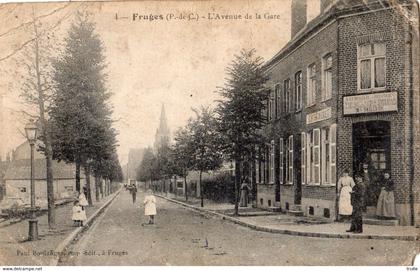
(281, 145)
(303, 157)
(333, 154)
(272, 168)
(316, 157)
(290, 160)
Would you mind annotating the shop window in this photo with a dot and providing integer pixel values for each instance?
(282, 160)
(290, 161)
(303, 157)
(378, 159)
(326, 77)
(271, 161)
(287, 99)
(311, 88)
(277, 94)
(371, 66)
(298, 91)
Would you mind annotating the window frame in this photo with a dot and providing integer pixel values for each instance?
(286, 96)
(311, 85)
(371, 58)
(282, 175)
(272, 168)
(298, 101)
(290, 167)
(325, 96)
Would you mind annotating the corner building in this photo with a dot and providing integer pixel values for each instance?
(344, 91)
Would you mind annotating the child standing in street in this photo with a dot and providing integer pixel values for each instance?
(150, 206)
(79, 215)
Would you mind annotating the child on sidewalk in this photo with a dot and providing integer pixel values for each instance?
(79, 215)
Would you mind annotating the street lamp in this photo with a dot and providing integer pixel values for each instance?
(31, 132)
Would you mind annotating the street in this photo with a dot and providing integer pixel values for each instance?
(184, 237)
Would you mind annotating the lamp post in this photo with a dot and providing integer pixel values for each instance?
(31, 132)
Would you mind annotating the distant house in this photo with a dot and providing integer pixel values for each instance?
(17, 177)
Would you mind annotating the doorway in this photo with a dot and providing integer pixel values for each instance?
(372, 145)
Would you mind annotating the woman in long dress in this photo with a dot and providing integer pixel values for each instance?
(386, 204)
(345, 187)
(150, 206)
(82, 201)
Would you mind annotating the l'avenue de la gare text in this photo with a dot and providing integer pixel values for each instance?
(208, 16)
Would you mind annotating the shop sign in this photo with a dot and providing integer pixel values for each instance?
(320, 115)
(370, 103)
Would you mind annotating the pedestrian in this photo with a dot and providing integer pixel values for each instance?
(133, 191)
(85, 191)
(79, 215)
(150, 206)
(244, 194)
(358, 203)
(82, 200)
(386, 204)
(370, 180)
(345, 187)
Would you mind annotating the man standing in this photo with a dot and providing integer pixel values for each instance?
(133, 191)
(370, 181)
(358, 203)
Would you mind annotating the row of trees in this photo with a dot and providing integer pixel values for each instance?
(66, 92)
(229, 132)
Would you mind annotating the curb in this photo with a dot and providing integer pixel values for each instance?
(59, 251)
(293, 232)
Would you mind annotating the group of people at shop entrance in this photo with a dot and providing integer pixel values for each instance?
(362, 191)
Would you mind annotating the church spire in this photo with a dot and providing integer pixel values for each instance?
(162, 133)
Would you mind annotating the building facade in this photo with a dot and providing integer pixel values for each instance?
(344, 91)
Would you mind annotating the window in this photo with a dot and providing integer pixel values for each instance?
(316, 157)
(278, 100)
(282, 174)
(270, 106)
(309, 158)
(298, 91)
(257, 165)
(286, 97)
(272, 168)
(22, 189)
(311, 88)
(326, 77)
(303, 157)
(290, 161)
(333, 154)
(371, 66)
(378, 158)
(325, 155)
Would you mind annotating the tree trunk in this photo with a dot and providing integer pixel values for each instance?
(87, 175)
(78, 175)
(45, 133)
(97, 186)
(185, 188)
(237, 181)
(201, 190)
(101, 187)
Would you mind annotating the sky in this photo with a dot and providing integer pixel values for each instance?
(175, 62)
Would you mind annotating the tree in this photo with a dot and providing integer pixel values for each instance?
(81, 115)
(183, 155)
(206, 155)
(147, 170)
(240, 115)
(37, 91)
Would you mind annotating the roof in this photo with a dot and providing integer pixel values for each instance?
(339, 7)
(20, 170)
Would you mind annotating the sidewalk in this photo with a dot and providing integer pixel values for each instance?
(287, 224)
(15, 250)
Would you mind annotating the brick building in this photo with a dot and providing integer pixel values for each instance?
(344, 90)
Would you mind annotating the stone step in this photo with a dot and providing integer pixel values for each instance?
(381, 222)
(274, 209)
(295, 212)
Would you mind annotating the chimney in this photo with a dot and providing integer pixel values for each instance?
(298, 16)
